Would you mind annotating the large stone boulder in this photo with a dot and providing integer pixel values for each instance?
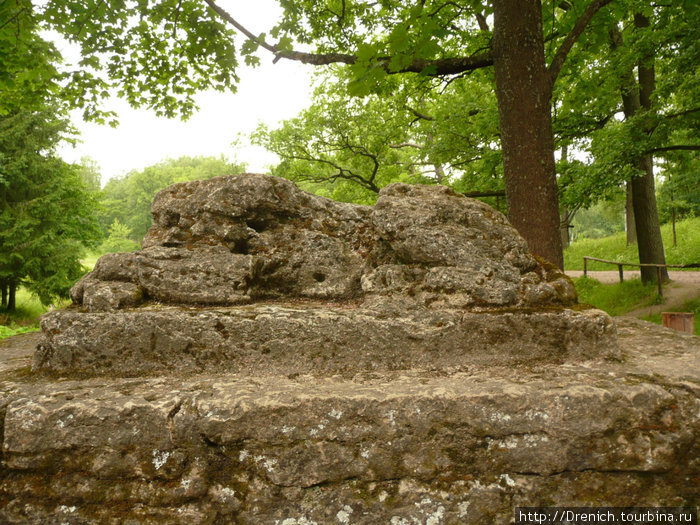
(247, 238)
(247, 271)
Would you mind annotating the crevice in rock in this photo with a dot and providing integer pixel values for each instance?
(219, 327)
(259, 225)
(208, 441)
(173, 411)
(239, 246)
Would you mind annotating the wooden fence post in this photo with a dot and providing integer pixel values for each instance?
(680, 321)
(585, 267)
(619, 269)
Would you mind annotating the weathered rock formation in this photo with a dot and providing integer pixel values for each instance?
(237, 240)
(306, 362)
(425, 278)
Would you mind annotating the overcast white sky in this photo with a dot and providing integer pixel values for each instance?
(269, 93)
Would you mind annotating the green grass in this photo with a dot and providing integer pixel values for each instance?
(615, 299)
(8, 331)
(620, 298)
(25, 317)
(689, 306)
(615, 248)
(90, 260)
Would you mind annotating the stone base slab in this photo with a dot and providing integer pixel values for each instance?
(273, 338)
(402, 448)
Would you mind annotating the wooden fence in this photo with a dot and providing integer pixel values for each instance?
(638, 265)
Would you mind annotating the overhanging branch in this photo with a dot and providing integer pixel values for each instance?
(692, 147)
(573, 36)
(437, 67)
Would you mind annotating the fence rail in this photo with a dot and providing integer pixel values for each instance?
(637, 265)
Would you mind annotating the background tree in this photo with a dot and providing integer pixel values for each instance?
(128, 200)
(47, 214)
(631, 93)
(119, 239)
(90, 174)
(349, 148)
(679, 195)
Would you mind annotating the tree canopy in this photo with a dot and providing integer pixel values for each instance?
(543, 60)
(195, 45)
(28, 73)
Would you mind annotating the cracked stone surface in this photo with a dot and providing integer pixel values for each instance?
(412, 446)
(315, 339)
(246, 238)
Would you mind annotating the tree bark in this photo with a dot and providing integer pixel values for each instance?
(11, 303)
(630, 228)
(524, 90)
(3, 289)
(646, 216)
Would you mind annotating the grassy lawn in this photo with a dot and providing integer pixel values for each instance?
(26, 316)
(614, 248)
(90, 260)
(618, 298)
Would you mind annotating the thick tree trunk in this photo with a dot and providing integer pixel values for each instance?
(646, 216)
(11, 303)
(3, 289)
(649, 242)
(523, 90)
(630, 228)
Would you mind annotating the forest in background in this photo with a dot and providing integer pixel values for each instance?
(437, 92)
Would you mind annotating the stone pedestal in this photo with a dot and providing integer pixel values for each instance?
(272, 357)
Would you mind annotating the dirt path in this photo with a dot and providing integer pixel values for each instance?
(17, 351)
(683, 287)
